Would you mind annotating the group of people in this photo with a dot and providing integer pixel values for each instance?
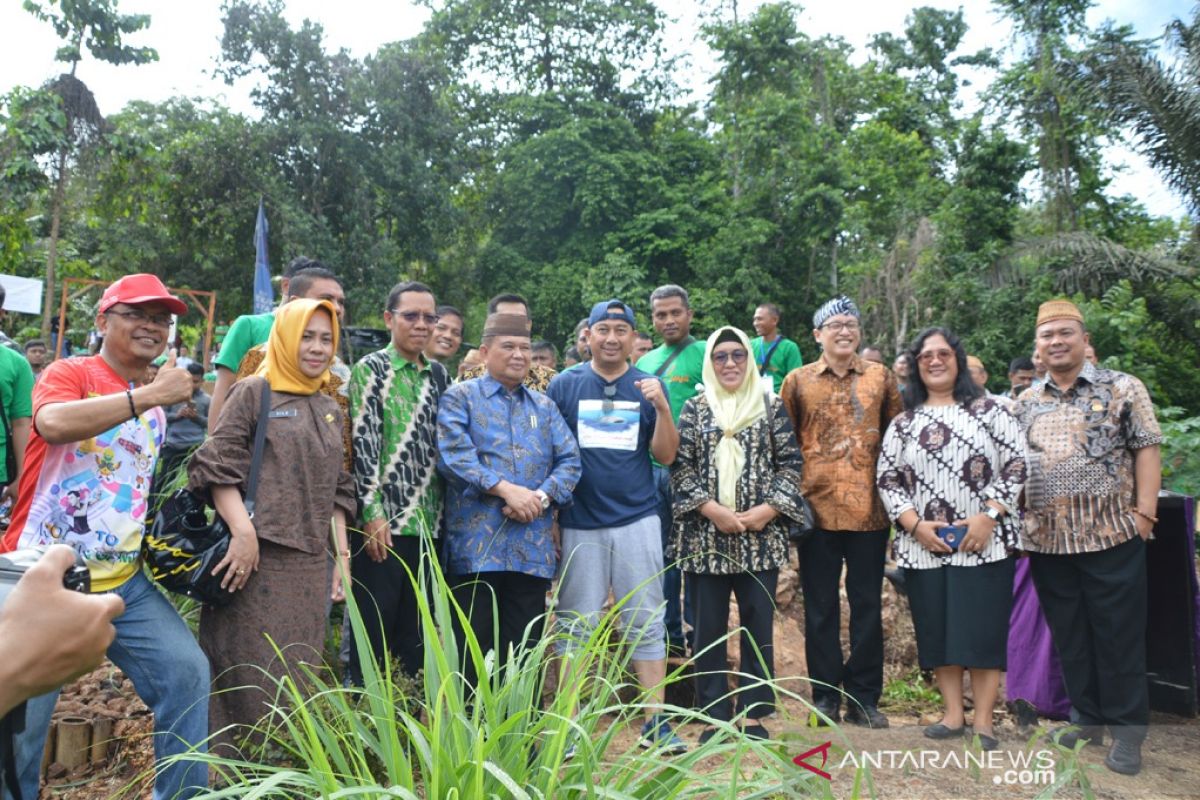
(671, 481)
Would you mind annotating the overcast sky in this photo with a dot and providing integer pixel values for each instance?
(186, 34)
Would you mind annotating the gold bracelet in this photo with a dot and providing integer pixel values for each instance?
(1141, 513)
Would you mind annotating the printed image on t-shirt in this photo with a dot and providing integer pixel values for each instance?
(609, 424)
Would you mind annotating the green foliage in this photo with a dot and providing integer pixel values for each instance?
(1180, 451)
(97, 25)
(440, 738)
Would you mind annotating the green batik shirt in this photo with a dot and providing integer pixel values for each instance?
(394, 404)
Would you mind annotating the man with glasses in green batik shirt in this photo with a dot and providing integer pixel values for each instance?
(394, 394)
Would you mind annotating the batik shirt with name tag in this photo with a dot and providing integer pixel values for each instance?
(1079, 495)
(616, 487)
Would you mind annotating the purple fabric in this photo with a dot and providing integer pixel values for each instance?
(1034, 672)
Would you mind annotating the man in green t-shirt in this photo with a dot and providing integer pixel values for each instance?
(16, 394)
(679, 361)
(774, 354)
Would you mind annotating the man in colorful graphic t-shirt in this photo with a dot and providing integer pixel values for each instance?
(86, 483)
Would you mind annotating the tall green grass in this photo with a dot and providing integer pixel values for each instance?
(497, 740)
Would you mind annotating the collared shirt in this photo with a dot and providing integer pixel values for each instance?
(1080, 444)
(840, 421)
(487, 434)
(538, 379)
(394, 404)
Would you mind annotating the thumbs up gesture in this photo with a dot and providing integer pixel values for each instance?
(172, 384)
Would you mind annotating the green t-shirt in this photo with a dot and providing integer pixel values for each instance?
(784, 359)
(16, 386)
(247, 331)
(682, 376)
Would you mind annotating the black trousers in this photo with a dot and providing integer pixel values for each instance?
(387, 600)
(1095, 604)
(755, 592)
(503, 605)
(821, 557)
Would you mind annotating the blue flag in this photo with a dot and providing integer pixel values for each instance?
(264, 295)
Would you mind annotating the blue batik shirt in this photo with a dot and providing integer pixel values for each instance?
(487, 434)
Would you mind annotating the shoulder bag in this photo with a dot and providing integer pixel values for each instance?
(182, 547)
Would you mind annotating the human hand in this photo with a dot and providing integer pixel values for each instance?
(757, 518)
(240, 559)
(1143, 525)
(521, 504)
(724, 518)
(924, 533)
(51, 634)
(651, 389)
(979, 533)
(341, 568)
(172, 384)
(556, 537)
(10, 493)
(378, 535)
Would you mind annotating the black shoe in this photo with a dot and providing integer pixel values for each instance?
(1025, 713)
(826, 707)
(940, 731)
(706, 735)
(1124, 757)
(756, 731)
(867, 716)
(987, 742)
(1092, 735)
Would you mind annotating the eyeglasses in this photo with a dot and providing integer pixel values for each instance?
(608, 405)
(941, 355)
(411, 317)
(139, 317)
(738, 356)
(850, 326)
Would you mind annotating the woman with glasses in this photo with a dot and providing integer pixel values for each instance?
(950, 472)
(736, 481)
(278, 564)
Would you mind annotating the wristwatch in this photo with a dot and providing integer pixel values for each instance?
(995, 513)
(545, 498)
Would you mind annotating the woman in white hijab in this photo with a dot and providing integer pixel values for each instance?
(736, 482)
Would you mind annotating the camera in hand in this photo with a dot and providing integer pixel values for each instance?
(952, 535)
(13, 565)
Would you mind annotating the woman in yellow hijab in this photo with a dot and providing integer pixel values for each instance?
(278, 564)
(736, 480)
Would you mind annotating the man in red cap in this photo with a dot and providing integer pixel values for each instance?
(97, 431)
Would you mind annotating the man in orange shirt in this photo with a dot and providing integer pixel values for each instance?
(840, 406)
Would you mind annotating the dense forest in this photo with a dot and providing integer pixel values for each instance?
(547, 148)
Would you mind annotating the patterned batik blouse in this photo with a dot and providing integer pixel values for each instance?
(944, 462)
(771, 478)
(1080, 446)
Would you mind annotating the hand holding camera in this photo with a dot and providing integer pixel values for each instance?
(52, 629)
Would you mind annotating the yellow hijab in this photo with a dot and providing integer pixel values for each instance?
(733, 412)
(281, 365)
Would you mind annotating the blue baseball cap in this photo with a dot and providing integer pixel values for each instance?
(611, 309)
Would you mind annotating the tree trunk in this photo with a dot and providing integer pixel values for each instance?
(60, 193)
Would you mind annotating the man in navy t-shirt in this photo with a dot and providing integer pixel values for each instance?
(611, 535)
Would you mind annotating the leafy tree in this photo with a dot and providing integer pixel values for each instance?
(98, 26)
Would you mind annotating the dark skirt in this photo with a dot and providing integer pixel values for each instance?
(961, 614)
(286, 600)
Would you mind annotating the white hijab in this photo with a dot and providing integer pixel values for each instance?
(733, 412)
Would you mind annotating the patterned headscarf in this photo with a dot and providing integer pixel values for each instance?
(838, 305)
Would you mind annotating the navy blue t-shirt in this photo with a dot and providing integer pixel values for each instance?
(616, 487)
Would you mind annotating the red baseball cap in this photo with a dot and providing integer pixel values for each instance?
(140, 288)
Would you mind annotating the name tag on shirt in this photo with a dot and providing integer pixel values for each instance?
(283, 412)
(616, 429)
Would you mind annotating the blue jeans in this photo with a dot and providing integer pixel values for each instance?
(672, 577)
(158, 653)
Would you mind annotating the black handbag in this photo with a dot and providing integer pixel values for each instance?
(796, 531)
(182, 547)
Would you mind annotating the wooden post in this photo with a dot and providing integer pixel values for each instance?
(102, 728)
(73, 742)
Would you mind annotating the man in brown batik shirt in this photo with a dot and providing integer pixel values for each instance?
(1094, 471)
(840, 406)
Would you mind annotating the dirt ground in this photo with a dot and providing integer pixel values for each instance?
(898, 762)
